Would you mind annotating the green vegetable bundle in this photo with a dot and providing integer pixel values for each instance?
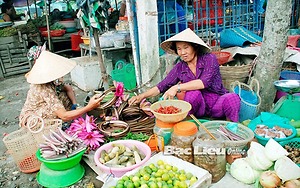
(8, 31)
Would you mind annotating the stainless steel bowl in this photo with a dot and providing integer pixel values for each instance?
(289, 86)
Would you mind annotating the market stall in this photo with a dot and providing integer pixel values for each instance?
(128, 145)
(15, 41)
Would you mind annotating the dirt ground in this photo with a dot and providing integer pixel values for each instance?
(14, 91)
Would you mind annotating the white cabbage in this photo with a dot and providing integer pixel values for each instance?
(286, 169)
(243, 172)
(274, 150)
(257, 158)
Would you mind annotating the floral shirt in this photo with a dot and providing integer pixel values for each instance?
(42, 100)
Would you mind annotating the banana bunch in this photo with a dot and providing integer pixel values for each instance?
(59, 143)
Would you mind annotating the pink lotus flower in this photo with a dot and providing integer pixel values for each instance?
(76, 126)
(85, 129)
(91, 139)
(119, 89)
(120, 93)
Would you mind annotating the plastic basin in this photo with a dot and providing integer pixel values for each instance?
(222, 57)
(118, 172)
(242, 131)
(61, 164)
(171, 118)
(53, 178)
(263, 141)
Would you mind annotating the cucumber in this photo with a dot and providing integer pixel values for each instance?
(295, 124)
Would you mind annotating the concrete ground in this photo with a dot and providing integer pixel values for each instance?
(13, 92)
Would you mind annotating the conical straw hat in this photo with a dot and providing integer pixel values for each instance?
(186, 35)
(49, 67)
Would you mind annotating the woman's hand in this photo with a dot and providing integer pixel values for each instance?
(170, 93)
(94, 102)
(135, 99)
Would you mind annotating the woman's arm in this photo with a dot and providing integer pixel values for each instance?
(150, 93)
(191, 85)
(65, 115)
(6, 17)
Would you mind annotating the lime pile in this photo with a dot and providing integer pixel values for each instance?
(159, 175)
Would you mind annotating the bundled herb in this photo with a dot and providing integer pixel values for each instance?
(129, 136)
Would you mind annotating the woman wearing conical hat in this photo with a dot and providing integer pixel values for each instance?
(198, 75)
(43, 99)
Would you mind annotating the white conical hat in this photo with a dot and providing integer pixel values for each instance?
(49, 67)
(186, 35)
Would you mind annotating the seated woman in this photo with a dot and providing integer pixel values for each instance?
(43, 99)
(33, 54)
(6, 12)
(198, 75)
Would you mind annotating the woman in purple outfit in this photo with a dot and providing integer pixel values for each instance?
(198, 75)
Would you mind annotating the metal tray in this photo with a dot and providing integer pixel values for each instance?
(289, 86)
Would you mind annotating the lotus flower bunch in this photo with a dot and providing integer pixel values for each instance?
(120, 93)
(86, 130)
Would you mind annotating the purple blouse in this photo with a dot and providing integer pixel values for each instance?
(207, 70)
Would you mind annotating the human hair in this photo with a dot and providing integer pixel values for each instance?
(200, 50)
(5, 7)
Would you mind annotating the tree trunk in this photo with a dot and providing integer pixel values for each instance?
(270, 58)
(101, 63)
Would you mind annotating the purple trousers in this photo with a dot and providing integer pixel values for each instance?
(214, 105)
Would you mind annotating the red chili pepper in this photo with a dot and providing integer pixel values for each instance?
(168, 110)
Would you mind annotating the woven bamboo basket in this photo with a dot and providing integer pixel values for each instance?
(235, 73)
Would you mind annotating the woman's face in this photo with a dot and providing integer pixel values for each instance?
(186, 51)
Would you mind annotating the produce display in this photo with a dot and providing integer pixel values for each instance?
(121, 156)
(8, 31)
(268, 166)
(130, 136)
(168, 110)
(41, 21)
(159, 174)
(59, 144)
(274, 132)
(294, 153)
(229, 134)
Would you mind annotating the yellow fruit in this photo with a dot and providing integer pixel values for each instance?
(160, 162)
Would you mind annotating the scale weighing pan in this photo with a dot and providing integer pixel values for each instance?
(288, 86)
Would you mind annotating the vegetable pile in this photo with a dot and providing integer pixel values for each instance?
(160, 174)
(258, 166)
(168, 110)
(294, 153)
(8, 31)
(275, 132)
(58, 143)
(121, 156)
